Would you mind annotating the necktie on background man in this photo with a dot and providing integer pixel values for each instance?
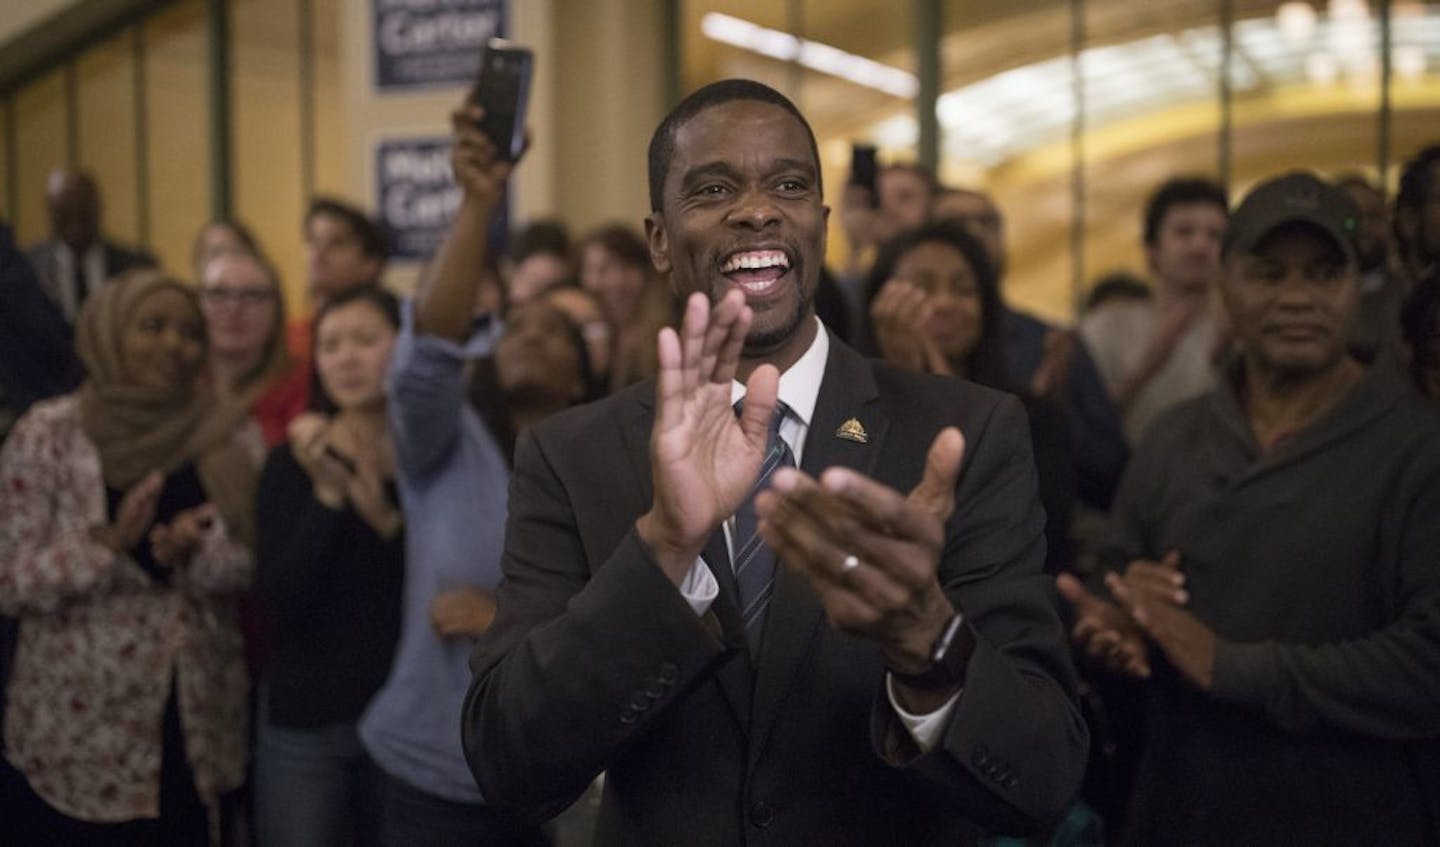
(752, 559)
(78, 284)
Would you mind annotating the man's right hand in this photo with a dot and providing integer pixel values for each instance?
(1104, 632)
(704, 459)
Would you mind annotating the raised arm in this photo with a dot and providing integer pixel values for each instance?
(446, 302)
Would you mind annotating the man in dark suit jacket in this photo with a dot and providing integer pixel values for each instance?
(77, 260)
(37, 357)
(938, 699)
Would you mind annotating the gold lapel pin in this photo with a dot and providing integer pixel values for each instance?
(853, 430)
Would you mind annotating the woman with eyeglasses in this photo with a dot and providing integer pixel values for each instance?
(245, 317)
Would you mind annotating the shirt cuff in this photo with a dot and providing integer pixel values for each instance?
(925, 729)
(699, 587)
(485, 333)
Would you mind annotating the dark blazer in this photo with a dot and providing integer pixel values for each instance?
(596, 662)
(118, 259)
(37, 356)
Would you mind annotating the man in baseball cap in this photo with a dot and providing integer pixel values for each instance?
(1296, 197)
(1271, 565)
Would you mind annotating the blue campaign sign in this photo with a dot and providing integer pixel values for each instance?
(417, 194)
(417, 197)
(432, 43)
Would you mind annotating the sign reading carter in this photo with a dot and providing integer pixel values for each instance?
(417, 194)
(432, 43)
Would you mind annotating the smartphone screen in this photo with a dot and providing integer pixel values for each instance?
(502, 89)
(863, 168)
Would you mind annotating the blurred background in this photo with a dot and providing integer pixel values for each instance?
(1069, 112)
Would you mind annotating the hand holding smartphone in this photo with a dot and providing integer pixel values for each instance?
(502, 90)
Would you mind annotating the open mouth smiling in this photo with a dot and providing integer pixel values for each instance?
(756, 272)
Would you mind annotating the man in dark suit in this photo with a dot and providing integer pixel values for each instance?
(77, 260)
(644, 627)
(37, 356)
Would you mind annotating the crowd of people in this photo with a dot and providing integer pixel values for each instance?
(425, 570)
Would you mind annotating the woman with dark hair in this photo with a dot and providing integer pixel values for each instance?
(124, 508)
(935, 308)
(540, 366)
(330, 565)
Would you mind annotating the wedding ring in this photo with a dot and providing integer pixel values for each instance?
(849, 564)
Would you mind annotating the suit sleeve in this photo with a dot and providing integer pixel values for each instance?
(1013, 753)
(578, 661)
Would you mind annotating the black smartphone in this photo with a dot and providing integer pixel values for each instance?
(863, 169)
(502, 89)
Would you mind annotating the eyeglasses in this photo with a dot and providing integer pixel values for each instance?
(219, 296)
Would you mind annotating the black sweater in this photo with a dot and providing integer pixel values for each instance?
(1316, 566)
(331, 590)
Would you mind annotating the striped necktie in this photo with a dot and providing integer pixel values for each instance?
(752, 558)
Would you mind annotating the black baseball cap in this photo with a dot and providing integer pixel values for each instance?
(1295, 197)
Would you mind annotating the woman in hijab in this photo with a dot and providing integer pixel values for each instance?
(124, 509)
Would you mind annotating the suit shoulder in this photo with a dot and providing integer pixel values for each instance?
(593, 418)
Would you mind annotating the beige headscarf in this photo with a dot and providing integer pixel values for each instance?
(139, 429)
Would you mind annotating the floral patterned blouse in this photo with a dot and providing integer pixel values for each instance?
(102, 645)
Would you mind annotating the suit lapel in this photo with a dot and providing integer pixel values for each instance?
(735, 676)
(847, 392)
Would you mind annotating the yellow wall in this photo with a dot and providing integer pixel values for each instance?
(265, 108)
(106, 116)
(40, 141)
(178, 147)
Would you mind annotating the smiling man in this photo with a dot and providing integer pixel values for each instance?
(1275, 566)
(859, 649)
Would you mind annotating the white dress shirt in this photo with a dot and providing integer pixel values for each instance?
(799, 388)
(92, 265)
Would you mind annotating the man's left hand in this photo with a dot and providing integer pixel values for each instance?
(1187, 642)
(890, 590)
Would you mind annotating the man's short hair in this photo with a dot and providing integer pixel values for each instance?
(1181, 191)
(662, 143)
(373, 240)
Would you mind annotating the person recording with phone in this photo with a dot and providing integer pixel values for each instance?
(453, 475)
(330, 562)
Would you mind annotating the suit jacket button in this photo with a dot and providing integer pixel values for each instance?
(669, 672)
(762, 814)
(640, 702)
(654, 689)
(628, 715)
